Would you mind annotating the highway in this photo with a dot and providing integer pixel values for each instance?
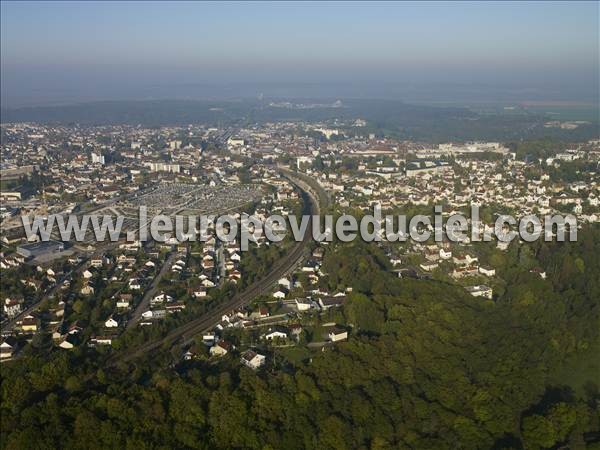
(186, 332)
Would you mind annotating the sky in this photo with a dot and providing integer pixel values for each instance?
(75, 51)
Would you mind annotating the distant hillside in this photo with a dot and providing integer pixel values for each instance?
(391, 117)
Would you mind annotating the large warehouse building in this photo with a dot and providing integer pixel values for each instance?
(40, 248)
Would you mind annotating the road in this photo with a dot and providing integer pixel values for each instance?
(285, 265)
(8, 325)
(143, 306)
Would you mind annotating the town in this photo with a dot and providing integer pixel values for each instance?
(276, 298)
(337, 225)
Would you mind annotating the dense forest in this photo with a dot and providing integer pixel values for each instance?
(426, 367)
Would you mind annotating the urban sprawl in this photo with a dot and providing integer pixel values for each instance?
(208, 298)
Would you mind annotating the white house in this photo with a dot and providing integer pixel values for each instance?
(111, 323)
(310, 266)
(87, 289)
(395, 261)
(429, 266)
(337, 335)
(285, 283)
(12, 307)
(280, 294)
(252, 359)
(66, 343)
(123, 301)
(502, 245)
(221, 348)
(209, 338)
(275, 333)
(303, 304)
(134, 284)
(445, 254)
(200, 293)
(154, 314)
(101, 340)
(480, 291)
(6, 350)
(487, 271)
(465, 260)
(161, 298)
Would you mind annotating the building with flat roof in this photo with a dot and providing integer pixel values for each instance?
(10, 196)
(40, 248)
(416, 168)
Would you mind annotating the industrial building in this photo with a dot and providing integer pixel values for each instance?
(40, 248)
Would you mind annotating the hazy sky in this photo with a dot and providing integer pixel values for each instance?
(53, 51)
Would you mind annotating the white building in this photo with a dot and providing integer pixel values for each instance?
(163, 167)
(253, 360)
(487, 271)
(221, 348)
(276, 333)
(235, 141)
(303, 304)
(337, 335)
(12, 307)
(6, 350)
(111, 323)
(98, 159)
(480, 291)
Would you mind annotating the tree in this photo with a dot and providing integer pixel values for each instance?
(538, 432)
(364, 314)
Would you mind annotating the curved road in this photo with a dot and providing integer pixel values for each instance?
(211, 318)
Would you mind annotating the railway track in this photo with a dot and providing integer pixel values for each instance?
(207, 321)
